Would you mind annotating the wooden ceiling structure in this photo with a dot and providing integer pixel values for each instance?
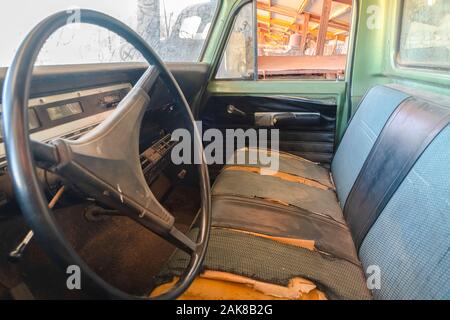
(324, 19)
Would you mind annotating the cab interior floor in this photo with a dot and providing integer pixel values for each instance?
(123, 252)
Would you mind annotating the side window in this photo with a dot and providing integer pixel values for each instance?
(238, 60)
(296, 39)
(303, 40)
(425, 34)
(176, 29)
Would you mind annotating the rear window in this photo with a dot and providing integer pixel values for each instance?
(425, 34)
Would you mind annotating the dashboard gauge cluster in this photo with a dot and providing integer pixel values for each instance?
(69, 115)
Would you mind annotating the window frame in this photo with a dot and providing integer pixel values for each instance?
(210, 32)
(398, 61)
(227, 34)
(225, 39)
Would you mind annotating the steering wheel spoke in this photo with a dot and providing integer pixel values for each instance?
(45, 155)
(105, 162)
(182, 241)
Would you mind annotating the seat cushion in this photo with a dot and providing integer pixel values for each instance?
(273, 262)
(274, 228)
(252, 185)
(289, 223)
(287, 163)
(278, 206)
(216, 285)
(300, 201)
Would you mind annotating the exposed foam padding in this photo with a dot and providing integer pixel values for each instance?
(261, 217)
(213, 285)
(276, 263)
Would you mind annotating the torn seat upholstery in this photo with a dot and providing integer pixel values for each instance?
(384, 203)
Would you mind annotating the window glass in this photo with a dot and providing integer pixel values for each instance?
(292, 42)
(296, 39)
(238, 58)
(425, 35)
(189, 27)
(177, 30)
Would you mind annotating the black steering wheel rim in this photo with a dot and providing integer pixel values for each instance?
(21, 165)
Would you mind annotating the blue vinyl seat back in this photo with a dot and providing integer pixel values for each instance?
(368, 122)
(410, 241)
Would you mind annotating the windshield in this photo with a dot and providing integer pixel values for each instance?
(176, 29)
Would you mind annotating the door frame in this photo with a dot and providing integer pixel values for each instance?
(339, 90)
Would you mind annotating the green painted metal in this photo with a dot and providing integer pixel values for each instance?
(376, 53)
(217, 31)
(372, 61)
(311, 89)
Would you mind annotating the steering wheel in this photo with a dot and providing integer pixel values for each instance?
(98, 163)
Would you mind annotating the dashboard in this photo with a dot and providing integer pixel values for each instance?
(69, 101)
(73, 114)
(69, 115)
(65, 115)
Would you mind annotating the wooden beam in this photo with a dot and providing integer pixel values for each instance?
(331, 24)
(272, 29)
(288, 12)
(285, 11)
(274, 36)
(265, 30)
(347, 2)
(324, 21)
(300, 10)
(305, 32)
(302, 7)
(269, 24)
(330, 35)
(278, 22)
(339, 13)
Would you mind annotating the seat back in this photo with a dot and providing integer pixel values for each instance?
(373, 113)
(410, 241)
(392, 173)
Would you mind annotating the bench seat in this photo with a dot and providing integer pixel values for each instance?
(384, 204)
